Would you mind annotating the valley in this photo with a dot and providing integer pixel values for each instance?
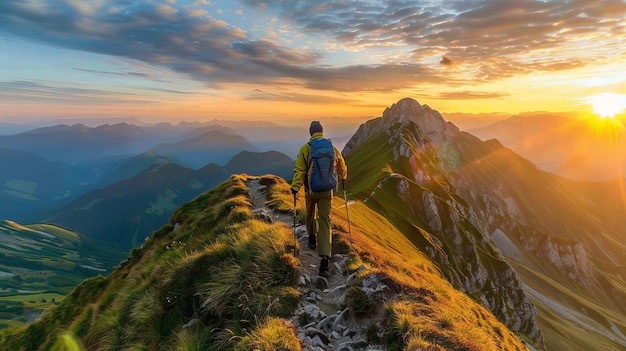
(40, 264)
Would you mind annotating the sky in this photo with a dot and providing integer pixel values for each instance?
(290, 59)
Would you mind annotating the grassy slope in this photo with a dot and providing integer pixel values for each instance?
(194, 274)
(44, 263)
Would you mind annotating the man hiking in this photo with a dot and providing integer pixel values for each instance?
(318, 165)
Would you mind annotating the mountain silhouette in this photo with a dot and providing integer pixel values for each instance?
(101, 172)
(261, 163)
(77, 143)
(124, 213)
(213, 146)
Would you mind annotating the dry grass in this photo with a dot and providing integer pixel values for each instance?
(424, 311)
(274, 334)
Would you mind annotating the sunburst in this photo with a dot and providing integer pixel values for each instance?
(607, 105)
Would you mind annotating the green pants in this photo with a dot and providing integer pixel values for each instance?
(318, 208)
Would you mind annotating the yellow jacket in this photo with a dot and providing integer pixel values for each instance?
(302, 163)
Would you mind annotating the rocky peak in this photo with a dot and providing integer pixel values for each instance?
(429, 120)
(407, 111)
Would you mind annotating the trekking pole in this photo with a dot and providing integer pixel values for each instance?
(295, 239)
(345, 198)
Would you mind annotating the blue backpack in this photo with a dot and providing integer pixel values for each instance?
(323, 176)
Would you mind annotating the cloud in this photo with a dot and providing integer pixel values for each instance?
(469, 95)
(489, 40)
(30, 91)
(496, 35)
(381, 78)
(203, 48)
(206, 49)
(122, 74)
(259, 94)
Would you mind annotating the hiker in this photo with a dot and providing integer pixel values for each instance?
(318, 192)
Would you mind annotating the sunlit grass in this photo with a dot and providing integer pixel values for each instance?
(425, 311)
(274, 334)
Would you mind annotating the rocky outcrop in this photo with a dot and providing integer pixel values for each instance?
(568, 256)
(457, 242)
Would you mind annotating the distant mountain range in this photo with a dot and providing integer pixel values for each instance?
(126, 212)
(213, 146)
(80, 143)
(11, 126)
(584, 149)
(51, 166)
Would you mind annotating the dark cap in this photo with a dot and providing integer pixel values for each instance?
(315, 127)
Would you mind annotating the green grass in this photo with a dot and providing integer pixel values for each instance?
(47, 260)
(227, 274)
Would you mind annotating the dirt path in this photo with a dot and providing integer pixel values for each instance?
(321, 319)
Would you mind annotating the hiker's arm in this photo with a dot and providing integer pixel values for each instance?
(300, 169)
(342, 169)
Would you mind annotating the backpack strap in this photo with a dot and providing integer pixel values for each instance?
(307, 186)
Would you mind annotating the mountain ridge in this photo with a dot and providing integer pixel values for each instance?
(456, 181)
(411, 180)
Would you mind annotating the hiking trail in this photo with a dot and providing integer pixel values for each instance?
(322, 320)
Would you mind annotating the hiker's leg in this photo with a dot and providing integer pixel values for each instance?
(324, 236)
(310, 218)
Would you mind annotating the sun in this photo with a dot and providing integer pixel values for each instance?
(607, 105)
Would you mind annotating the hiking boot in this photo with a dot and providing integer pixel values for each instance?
(312, 242)
(324, 272)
